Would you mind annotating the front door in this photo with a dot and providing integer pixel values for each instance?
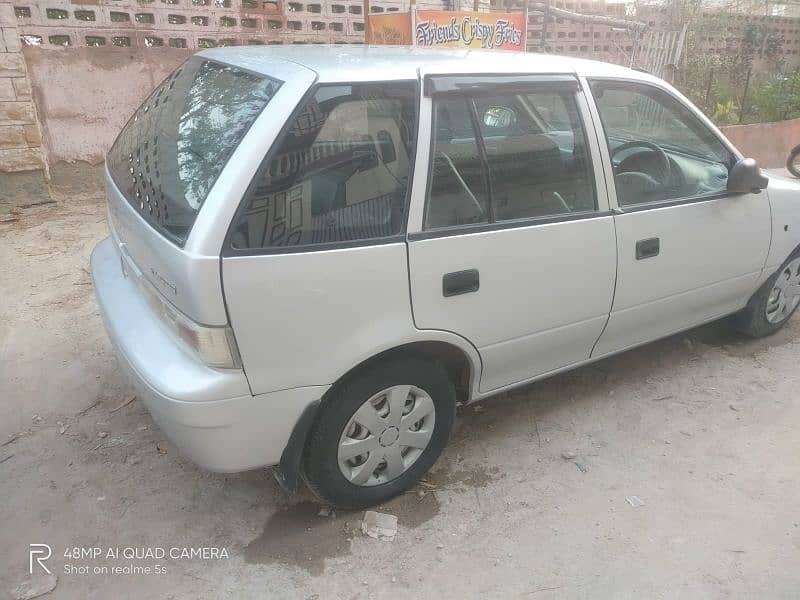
(515, 250)
(689, 252)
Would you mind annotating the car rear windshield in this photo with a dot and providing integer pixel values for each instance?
(176, 144)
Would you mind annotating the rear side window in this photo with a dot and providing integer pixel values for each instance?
(458, 187)
(175, 146)
(339, 174)
(506, 157)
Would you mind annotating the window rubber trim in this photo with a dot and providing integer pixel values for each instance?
(228, 251)
(642, 206)
(512, 224)
(492, 83)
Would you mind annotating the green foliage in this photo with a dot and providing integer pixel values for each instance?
(778, 98)
(703, 80)
(726, 114)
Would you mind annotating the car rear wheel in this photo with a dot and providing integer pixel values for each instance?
(774, 303)
(379, 432)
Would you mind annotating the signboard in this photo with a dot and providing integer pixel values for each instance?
(499, 31)
(449, 29)
(392, 29)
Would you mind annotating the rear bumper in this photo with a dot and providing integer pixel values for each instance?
(208, 414)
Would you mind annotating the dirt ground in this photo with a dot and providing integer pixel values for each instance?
(530, 500)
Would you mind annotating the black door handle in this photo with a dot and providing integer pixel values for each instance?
(460, 282)
(647, 248)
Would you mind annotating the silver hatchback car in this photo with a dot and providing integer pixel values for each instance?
(317, 252)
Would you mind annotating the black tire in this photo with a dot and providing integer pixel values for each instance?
(320, 458)
(792, 163)
(752, 319)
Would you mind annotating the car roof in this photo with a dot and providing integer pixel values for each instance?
(338, 62)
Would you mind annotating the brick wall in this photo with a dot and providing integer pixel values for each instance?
(20, 137)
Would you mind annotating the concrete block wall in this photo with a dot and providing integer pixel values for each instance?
(92, 62)
(20, 135)
(582, 40)
(193, 24)
(714, 40)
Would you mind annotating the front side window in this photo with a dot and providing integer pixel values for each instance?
(506, 157)
(339, 174)
(659, 149)
(172, 150)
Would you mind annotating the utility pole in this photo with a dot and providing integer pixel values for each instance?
(367, 33)
(742, 109)
(708, 91)
(545, 18)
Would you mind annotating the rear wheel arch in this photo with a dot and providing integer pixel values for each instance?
(460, 360)
(460, 366)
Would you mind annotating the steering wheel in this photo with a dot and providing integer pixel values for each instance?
(662, 177)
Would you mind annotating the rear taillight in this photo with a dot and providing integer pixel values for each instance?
(213, 345)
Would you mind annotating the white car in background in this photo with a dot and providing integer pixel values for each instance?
(315, 252)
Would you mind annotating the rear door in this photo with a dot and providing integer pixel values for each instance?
(515, 247)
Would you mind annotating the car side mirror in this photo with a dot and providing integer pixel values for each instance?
(746, 177)
(499, 116)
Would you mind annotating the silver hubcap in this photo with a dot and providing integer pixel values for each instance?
(785, 296)
(386, 435)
